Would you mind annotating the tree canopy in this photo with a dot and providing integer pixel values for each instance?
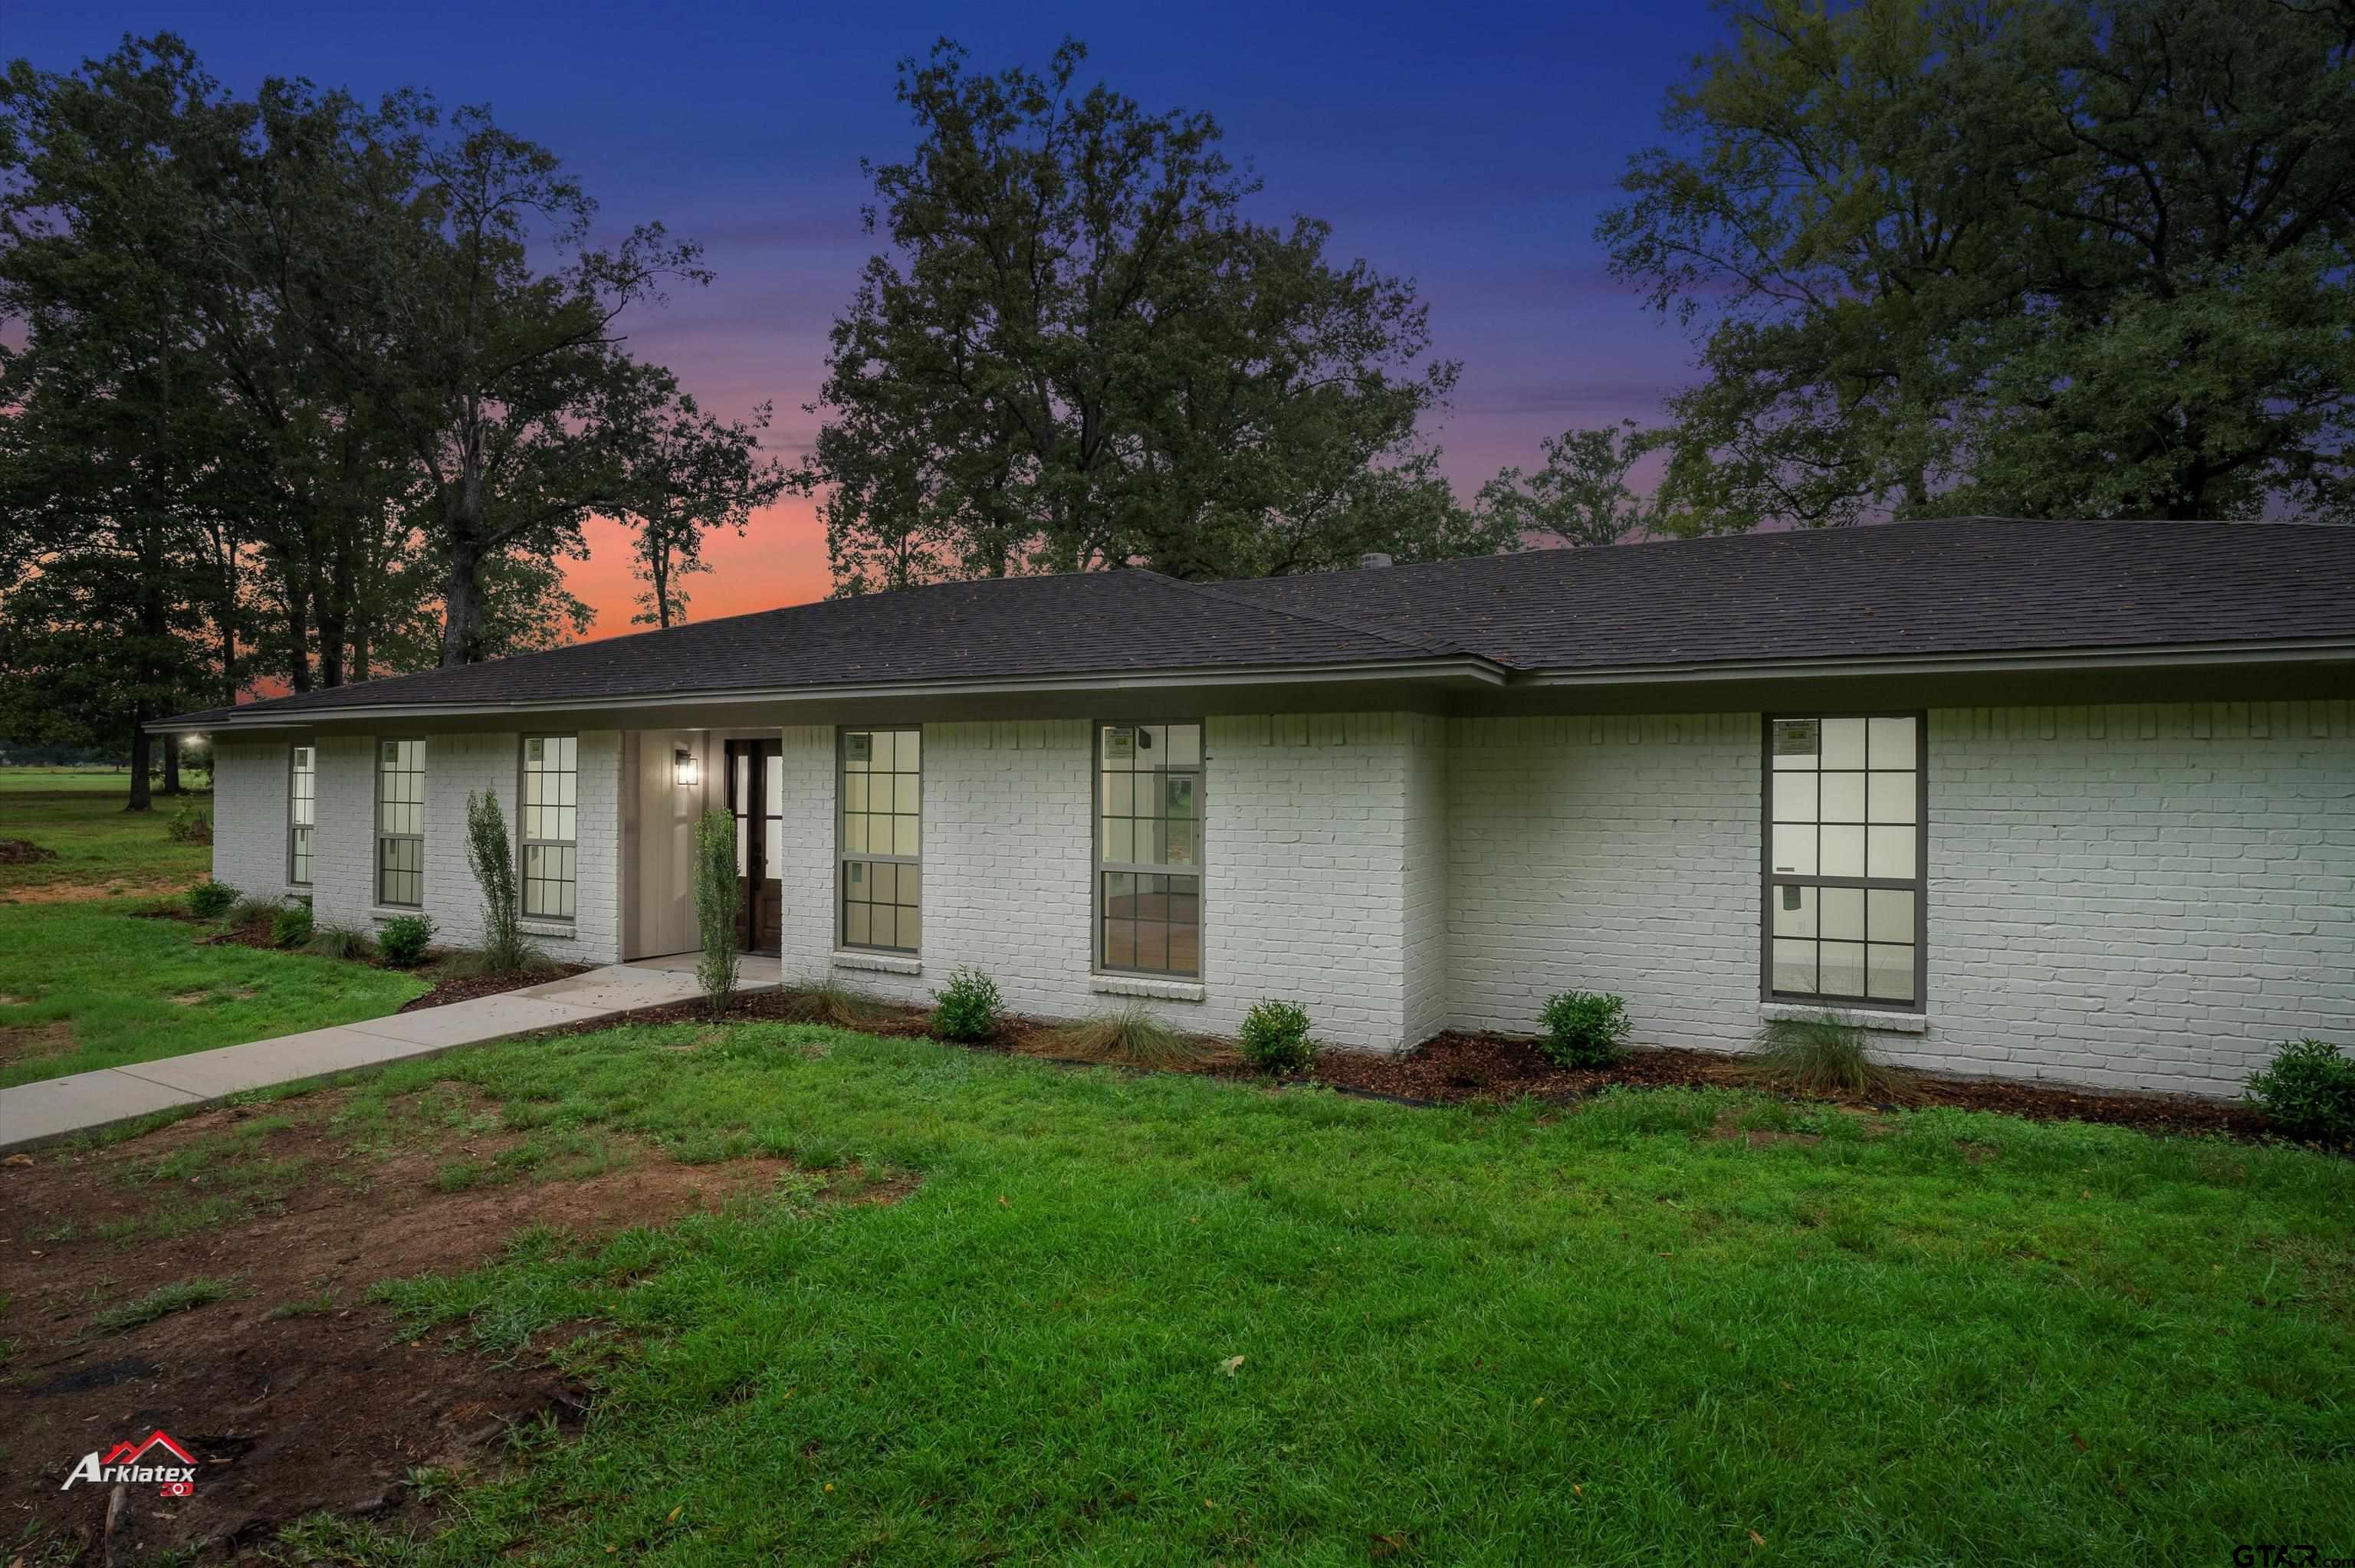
(1080, 352)
(2042, 258)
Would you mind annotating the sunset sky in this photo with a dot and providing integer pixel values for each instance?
(1469, 148)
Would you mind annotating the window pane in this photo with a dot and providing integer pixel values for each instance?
(1185, 745)
(1120, 840)
(1120, 944)
(856, 929)
(1152, 945)
(1179, 795)
(1795, 850)
(1843, 968)
(1843, 743)
(1794, 745)
(905, 792)
(1184, 949)
(1843, 914)
(1795, 965)
(1891, 854)
(908, 835)
(911, 936)
(1795, 911)
(1794, 797)
(1843, 798)
(1888, 972)
(1180, 851)
(1889, 915)
(1891, 742)
(1842, 852)
(1893, 796)
(772, 847)
(1120, 794)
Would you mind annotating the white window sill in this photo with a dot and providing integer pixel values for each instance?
(1862, 1018)
(560, 929)
(1137, 985)
(393, 912)
(880, 963)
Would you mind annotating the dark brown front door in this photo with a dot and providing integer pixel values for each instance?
(756, 772)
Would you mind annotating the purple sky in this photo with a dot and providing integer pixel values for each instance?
(1471, 150)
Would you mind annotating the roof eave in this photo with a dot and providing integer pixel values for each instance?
(2216, 656)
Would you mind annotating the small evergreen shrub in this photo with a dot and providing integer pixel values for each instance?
(715, 907)
(2308, 1091)
(209, 898)
(1584, 1028)
(191, 824)
(967, 1008)
(1275, 1038)
(340, 942)
(402, 939)
(291, 926)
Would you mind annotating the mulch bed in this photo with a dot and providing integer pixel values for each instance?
(1457, 1068)
(23, 852)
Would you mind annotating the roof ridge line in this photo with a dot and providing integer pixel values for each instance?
(1428, 649)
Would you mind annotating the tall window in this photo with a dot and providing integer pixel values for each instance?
(1149, 848)
(302, 813)
(551, 778)
(400, 821)
(881, 794)
(1845, 915)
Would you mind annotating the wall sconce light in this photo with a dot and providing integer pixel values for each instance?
(683, 762)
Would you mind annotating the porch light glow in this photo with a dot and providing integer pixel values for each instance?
(684, 762)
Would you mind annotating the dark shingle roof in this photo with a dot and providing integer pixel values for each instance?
(1947, 586)
(1966, 585)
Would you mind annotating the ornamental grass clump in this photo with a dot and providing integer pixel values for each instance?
(1826, 1055)
(1132, 1037)
(829, 1002)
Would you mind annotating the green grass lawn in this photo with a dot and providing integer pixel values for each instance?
(84, 984)
(99, 844)
(1610, 1334)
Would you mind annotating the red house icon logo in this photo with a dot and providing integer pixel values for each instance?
(173, 1471)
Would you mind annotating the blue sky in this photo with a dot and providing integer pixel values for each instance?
(1471, 149)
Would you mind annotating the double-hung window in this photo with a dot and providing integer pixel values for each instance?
(552, 776)
(401, 823)
(880, 786)
(301, 812)
(1844, 915)
(1149, 848)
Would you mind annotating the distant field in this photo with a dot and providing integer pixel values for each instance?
(82, 780)
(102, 849)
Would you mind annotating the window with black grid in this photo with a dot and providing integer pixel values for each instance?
(401, 823)
(301, 812)
(551, 776)
(1149, 848)
(1845, 844)
(880, 789)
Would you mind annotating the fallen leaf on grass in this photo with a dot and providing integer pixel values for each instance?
(1229, 1364)
(1756, 1539)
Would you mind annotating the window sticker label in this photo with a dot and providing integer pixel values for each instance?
(859, 747)
(1120, 744)
(1795, 738)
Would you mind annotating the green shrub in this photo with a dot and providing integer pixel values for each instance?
(1824, 1055)
(191, 824)
(1132, 1037)
(967, 1008)
(402, 939)
(490, 853)
(340, 942)
(2308, 1091)
(291, 926)
(715, 907)
(209, 898)
(1584, 1028)
(1275, 1038)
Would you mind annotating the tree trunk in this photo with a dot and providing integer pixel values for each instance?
(462, 604)
(661, 569)
(142, 753)
(334, 618)
(298, 581)
(172, 766)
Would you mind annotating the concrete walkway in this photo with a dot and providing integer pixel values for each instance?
(56, 1107)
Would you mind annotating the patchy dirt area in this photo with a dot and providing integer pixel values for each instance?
(265, 1227)
(120, 887)
(23, 852)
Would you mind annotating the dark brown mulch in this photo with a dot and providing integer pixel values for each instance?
(1457, 1067)
(23, 852)
(466, 988)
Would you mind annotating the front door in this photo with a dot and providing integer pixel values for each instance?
(756, 787)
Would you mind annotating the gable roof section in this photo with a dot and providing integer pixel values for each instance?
(1943, 587)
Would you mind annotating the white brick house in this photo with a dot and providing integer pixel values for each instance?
(2041, 800)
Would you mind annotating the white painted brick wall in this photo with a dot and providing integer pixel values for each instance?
(1303, 895)
(344, 867)
(2141, 896)
(1606, 854)
(2130, 898)
(249, 816)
